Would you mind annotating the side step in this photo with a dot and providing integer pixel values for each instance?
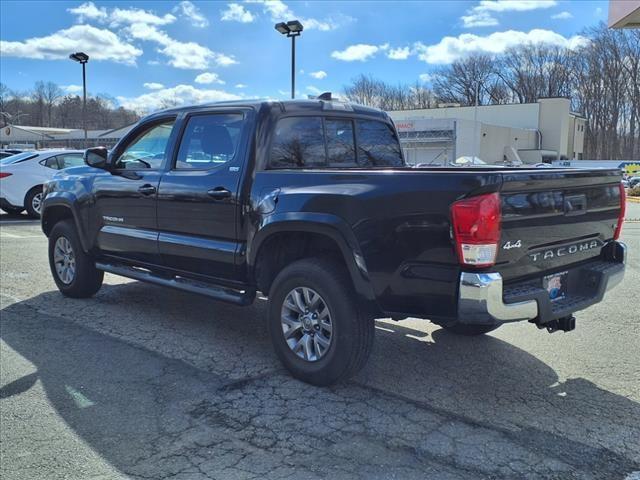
(217, 292)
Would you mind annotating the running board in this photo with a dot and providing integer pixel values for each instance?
(217, 292)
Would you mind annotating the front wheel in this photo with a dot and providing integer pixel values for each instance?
(470, 330)
(73, 270)
(317, 328)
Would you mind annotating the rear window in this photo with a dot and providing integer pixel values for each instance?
(378, 145)
(20, 157)
(298, 142)
(308, 142)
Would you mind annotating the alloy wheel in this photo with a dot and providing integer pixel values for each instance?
(306, 324)
(64, 260)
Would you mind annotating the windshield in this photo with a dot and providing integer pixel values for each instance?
(18, 158)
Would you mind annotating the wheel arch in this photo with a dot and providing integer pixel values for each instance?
(330, 231)
(57, 208)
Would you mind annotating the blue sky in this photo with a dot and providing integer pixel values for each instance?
(191, 52)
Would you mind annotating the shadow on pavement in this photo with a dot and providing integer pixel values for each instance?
(461, 408)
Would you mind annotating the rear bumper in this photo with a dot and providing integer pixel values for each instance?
(483, 299)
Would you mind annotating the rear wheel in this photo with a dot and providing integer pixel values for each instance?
(470, 330)
(33, 201)
(73, 270)
(317, 329)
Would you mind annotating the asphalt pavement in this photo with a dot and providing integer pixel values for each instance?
(147, 383)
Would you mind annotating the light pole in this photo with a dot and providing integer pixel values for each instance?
(291, 29)
(82, 58)
(476, 142)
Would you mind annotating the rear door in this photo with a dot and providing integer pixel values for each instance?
(552, 219)
(198, 206)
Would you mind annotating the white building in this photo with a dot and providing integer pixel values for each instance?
(529, 132)
(46, 137)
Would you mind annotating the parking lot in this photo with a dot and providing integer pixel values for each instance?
(144, 382)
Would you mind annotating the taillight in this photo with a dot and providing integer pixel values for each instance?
(5, 174)
(476, 229)
(623, 209)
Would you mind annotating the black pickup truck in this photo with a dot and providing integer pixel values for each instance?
(310, 202)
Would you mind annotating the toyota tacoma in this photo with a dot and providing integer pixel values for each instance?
(311, 203)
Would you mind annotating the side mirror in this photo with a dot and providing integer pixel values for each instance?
(97, 157)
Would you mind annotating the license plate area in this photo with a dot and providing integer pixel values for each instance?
(556, 285)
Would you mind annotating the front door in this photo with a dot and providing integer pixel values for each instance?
(126, 196)
(198, 205)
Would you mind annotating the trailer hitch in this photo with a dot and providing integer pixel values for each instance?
(564, 324)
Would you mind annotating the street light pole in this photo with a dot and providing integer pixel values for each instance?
(476, 143)
(82, 58)
(293, 67)
(291, 29)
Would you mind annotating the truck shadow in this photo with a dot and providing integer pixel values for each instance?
(133, 401)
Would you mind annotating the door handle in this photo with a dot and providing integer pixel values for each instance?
(219, 193)
(147, 189)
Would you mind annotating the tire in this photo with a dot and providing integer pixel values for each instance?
(470, 330)
(33, 201)
(83, 279)
(13, 210)
(351, 333)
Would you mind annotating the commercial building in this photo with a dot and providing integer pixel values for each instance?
(543, 131)
(46, 137)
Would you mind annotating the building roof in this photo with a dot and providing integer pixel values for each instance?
(624, 13)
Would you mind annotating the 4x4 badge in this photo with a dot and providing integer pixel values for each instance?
(509, 245)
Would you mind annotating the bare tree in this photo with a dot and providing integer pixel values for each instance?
(459, 82)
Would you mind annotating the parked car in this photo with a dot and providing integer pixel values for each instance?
(22, 177)
(4, 153)
(634, 182)
(310, 202)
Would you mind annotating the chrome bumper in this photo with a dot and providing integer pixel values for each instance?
(480, 297)
(480, 301)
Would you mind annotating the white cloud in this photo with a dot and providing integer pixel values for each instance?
(178, 95)
(209, 77)
(426, 77)
(100, 44)
(481, 14)
(192, 13)
(153, 86)
(72, 88)
(279, 11)
(450, 49)
(359, 52)
(562, 16)
(401, 53)
(236, 13)
(240, 85)
(88, 11)
(119, 16)
(185, 55)
(314, 90)
(478, 19)
(320, 74)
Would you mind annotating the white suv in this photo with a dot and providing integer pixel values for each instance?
(22, 177)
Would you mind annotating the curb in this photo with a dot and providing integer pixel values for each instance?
(633, 199)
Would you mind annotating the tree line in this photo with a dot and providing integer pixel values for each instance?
(601, 78)
(46, 105)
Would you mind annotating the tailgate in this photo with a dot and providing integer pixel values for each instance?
(555, 218)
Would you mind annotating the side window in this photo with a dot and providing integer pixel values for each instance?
(341, 149)
(209, 140)
(51, 162)
(70, 160)
(298, 142)
(378, 146)
(147, 150)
